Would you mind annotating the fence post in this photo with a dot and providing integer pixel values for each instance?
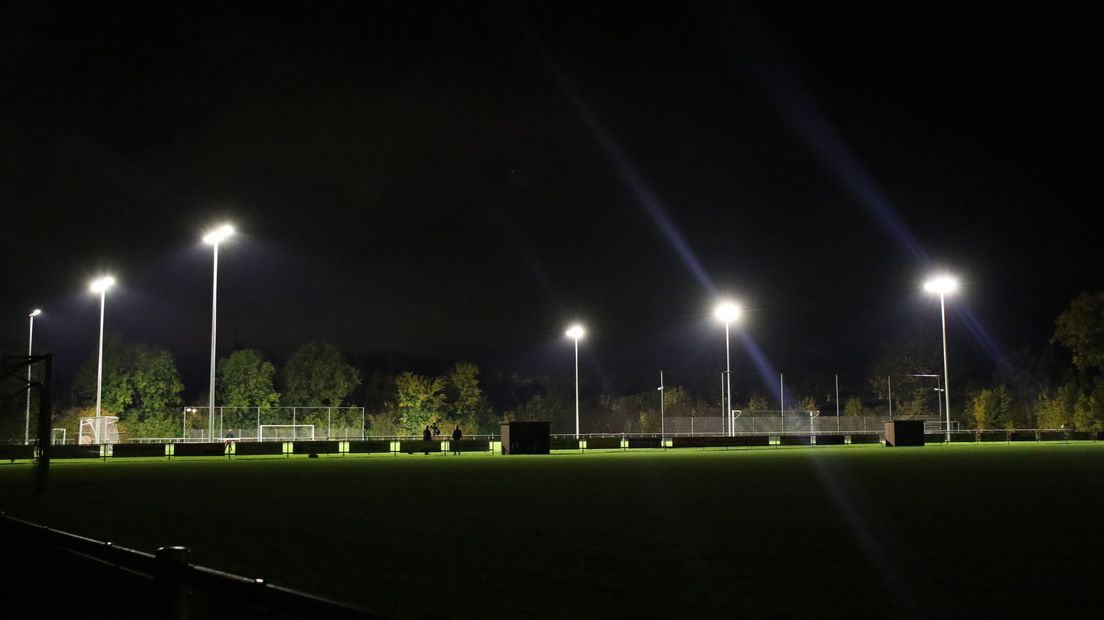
(172, 594)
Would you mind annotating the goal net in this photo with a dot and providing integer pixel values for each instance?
(98, 429)
(285, 432)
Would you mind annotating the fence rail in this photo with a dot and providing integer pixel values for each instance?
(166, 582)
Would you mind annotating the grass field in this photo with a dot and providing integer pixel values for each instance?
(855, 531)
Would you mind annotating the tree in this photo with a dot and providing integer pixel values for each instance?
(246, 380)
(1055, 409)
(466, 396)
(140, 384)
(1080, 328)
(421, 400)
(853, 406)
(317, 375)
(1088, 414)
(992, 408)
(758, 402)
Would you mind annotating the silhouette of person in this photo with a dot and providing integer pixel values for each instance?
(426, 436)
(457, 434)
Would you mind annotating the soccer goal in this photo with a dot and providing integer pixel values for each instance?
(98, 430)
(285, 432)
(57, 436)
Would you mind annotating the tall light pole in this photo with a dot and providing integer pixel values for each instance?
(576, 332)
(662, 425)
(214, 238)
(30, 352)
(100, 286)
(944, 285)
(727, 312)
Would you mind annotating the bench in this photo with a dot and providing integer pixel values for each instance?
(12, 453)
(316, 447)
(470, 445)
(75, 452)
(369, 446)
(138, 450)
(199, 449)
(258, 448)
(411, 446)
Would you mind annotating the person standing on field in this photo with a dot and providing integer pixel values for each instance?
(456, 435)
(426, 436)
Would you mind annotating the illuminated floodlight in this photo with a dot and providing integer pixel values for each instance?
(727, 311)
(576, 331)
(36, 312)
(941, 285)
(218, 235)
(101, 285)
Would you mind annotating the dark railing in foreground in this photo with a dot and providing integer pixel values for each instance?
(165, 581)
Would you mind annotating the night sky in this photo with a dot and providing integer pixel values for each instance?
(462, 182)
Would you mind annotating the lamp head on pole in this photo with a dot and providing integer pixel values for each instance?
(942, 284)
(102, 284)
(576, 332)
(36, 312)
(727, 311)
(218, 235)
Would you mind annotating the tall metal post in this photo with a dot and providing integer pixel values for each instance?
(837, 406)
(889, 384)
(214, 322)
(782, 402)
(662, 424)
(576, 387)
(99, 364)
(946, 375)
(30, 352)
(728, 384)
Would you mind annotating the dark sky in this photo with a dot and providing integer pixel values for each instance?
(461, 182)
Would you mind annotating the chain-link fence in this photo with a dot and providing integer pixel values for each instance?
(244, 423)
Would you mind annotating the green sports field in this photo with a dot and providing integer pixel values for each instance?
(843, 531)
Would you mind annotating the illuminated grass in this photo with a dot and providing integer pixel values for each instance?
(861, 530)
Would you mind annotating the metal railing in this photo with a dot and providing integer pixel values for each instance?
(175, 588)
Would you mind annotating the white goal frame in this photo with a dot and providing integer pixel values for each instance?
(98, 430)
(294, 433)
(54, 436)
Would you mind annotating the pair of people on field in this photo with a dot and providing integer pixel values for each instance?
(457, 434)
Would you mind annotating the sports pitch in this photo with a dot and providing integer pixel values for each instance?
(842, 531)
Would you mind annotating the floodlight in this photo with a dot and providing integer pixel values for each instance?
(727, 311)
(218, 235)
(941, 285)
(576, 331)
(102, 284)
(36, 312)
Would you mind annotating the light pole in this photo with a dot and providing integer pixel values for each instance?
(662, 425)
(943, 285)
(575, 332)
(30, 352)
(727, 312)
(100, 286)
(214, 238)
(938, 392)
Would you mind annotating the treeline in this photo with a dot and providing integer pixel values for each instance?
(1061, 387)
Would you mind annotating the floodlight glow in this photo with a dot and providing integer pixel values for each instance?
(101, 285)
(36, 312)
(727, 311)
(941, 285)
(576, 332)
(218, 235)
